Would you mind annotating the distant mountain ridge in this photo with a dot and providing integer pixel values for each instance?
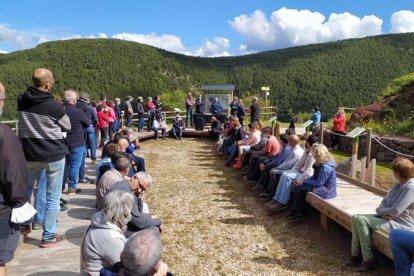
(350, 72)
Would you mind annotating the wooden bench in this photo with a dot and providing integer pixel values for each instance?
(353, 197)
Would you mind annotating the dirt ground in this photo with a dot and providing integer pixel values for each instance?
(214, 224)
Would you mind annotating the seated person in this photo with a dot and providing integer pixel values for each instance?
(394, 212)
(141, 256)
(136, 186)
(273, 162)
(290, 161)
(301, 171)
(321, 183)
(104, 239)
(215, 129)
(178, 126)
(105, 163)
(270, 149)
(109, 178)
(402, 246)
(159, 124)
(245, 145)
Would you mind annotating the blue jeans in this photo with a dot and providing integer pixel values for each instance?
(177, 130)
(91, 141)
(75, 161)
(284, 188)
(54, 179)
(402, 246)
(141, 122)
(40, 198)
(189, 116)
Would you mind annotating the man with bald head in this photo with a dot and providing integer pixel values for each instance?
(42, 122)
(75, 139)
(13, 177)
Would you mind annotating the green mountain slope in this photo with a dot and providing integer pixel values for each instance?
(351, 72)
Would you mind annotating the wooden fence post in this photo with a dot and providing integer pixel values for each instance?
(368, 143)
(363, 169)
(373, 171)
(355, 143)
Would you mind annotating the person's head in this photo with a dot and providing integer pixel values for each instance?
(122, 144)
(341, 111)
(122, 165)
(293, 140)
(321, 153)
(140, 182)
(267, 131)
(403, 169)
(312, 139)
(140, 99)
(111, 149)
(117, 207)
(2, 98)
(142, 253)
(284, 138)
(43, 79)
(254, 100)
(70, 96)
(252, 127)
(189, 95)
(111, 103)
(315, 109)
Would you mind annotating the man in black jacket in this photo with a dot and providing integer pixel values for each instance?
(13, 177)
(75, 139)
(42, 122)
(137, 185)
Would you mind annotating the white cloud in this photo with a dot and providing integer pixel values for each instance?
(165, 41)
(291, 27)
(218, 47)
(402, 22)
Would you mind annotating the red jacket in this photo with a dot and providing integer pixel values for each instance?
(103, 119)
(339, 123)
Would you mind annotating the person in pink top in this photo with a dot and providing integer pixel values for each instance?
(246, 144)
(339, 123)
(112, 119)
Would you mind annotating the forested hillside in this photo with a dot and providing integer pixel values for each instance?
(351, 72)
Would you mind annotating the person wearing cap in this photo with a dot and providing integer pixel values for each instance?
(141, 113)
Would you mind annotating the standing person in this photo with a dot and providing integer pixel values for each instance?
(128, 111)
(112, 119)
(189, 103)
(75, 139)
(118, 113)
(13, 181)
(178, 126)
(234, 106)
(150, 107)
(41, 121)
(200, 105)
(141, 113)
(240, 112)
(254, 111)
(83, 104)
(339, 123)
(103, 123)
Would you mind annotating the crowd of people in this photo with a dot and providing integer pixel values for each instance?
(54, 139)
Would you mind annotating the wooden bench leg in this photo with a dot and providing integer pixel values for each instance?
(324, 222)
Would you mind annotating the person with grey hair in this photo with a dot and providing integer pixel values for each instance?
(137, 185)
(75, 140)
(104, 240)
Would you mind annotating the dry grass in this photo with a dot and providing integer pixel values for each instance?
(214, 225)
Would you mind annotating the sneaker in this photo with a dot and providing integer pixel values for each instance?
(74, 191)
(53, 241)
(37, 226)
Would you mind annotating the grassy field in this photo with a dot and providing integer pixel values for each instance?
(215, 225)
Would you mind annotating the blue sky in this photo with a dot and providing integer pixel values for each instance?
(202, 28)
